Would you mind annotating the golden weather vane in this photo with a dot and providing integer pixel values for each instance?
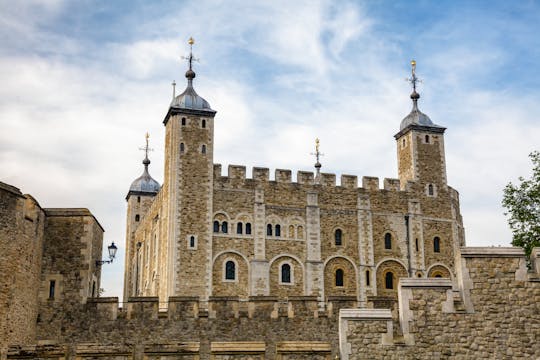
(190, 58)
(413, 79)
(146, 148)
(318, 165)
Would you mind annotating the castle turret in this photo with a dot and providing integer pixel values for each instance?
(420, 147)
(139, 199)
(188, 184)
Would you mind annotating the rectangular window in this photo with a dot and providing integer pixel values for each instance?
(52, 285)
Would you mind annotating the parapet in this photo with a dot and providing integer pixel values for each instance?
(218, 307)
(370, 183)
(391, 184)
(304, 177)
(349, 181)
(237, 172)
(283, 176)
(328, 179)
(261, 174)
(70, 212)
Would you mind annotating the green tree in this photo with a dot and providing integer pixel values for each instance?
(522, 202)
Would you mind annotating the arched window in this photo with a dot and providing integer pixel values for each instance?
(286, 274)
(416, 244)
(367, 277)
(216, 226)
(337, 237)
(224, 227)
(138, 199)
(438, 276)
(269, 230)
(291, 231)
(388, 241)
(184, 121)
(437, 244)
(339, 277)
(230, 270)
(300, 232)
(278, 230)
(182, 147)
(203, 123)
(203, 149)
(248, 228)
(427, 139)
(389, 280)
(430, 190)
(239, 227)
(137, 217)
(192, 241)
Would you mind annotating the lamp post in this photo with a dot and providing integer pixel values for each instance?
(112, 253)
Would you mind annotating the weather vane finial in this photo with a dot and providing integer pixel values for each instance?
(146, 149)
(413, 79)
(190, 58)
(318, 165)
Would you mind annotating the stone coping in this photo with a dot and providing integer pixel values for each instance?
(143, 299)
(535, 252)
(183, 298)
(103, 300)
(303, 346)
(366, 314)
(470, 252)
(238, 346)
(342, 298)
(12, 189)
(425, 283)
(71, 212)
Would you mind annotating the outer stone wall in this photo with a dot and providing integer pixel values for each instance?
(21, 242)
(499, 317)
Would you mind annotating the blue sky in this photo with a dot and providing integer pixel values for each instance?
(82, 81)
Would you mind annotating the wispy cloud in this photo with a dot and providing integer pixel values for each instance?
(74, 106)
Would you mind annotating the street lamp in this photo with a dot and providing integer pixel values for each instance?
(112, 253)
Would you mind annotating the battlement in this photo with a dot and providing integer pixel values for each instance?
(497, 293)
(217, 307)
(236, 174)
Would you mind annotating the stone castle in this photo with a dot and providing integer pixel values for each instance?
(229, 267)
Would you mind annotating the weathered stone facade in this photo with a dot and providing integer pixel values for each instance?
(229, 267)
(310, 237)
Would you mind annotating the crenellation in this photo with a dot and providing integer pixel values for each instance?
(349, 181)
(236, 172)
(392, 184)
(261, 174)
(370, 183)
(143, 307)
(304, 177)
(328, 179)
(283, 176)
(217, 171)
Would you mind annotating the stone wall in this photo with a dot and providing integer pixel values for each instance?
(21, 240)
(261, 328)
(495, 316)
(72, 245)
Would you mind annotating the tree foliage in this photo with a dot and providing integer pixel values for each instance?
(522, 202)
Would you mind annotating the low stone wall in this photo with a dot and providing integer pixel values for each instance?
(496, 315)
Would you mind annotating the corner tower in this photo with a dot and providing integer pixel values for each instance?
(188, 185)
(420, 147)
(139, 199)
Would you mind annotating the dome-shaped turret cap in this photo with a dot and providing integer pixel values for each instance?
(416, 117)
(189, 99)
(144, 184)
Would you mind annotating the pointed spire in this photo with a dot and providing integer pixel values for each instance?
(318, 165)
